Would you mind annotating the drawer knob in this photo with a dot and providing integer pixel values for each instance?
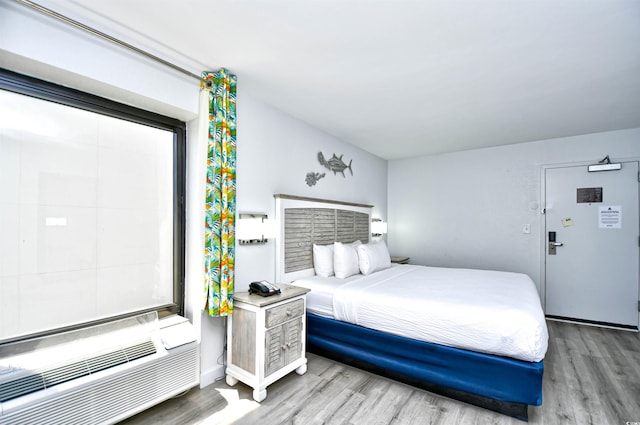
(284, 347)
(289, 312)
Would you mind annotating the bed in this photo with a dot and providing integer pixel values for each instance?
(420, 325)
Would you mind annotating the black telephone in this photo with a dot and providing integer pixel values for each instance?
(263, 288)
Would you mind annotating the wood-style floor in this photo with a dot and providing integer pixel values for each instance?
(592, 376)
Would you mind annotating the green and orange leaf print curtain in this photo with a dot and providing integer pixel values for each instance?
(220, 203)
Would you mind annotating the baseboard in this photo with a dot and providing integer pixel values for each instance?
(212, 375)
(593, 323)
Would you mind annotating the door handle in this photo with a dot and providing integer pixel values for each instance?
(553, 244)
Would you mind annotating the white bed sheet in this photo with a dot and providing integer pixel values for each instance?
(320, 299)
(479, 310)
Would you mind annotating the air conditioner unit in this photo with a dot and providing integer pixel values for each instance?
(98, 375)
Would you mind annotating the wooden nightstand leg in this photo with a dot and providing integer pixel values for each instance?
(259, 394)
(231, 381)
(302, 369)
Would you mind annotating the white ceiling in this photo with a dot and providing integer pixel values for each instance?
(405, 78)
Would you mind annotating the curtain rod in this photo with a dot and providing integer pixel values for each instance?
(104, 36)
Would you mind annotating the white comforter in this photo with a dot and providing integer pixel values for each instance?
(486, 311)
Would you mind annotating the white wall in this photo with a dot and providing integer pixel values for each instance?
(275, 151)
(467, 209)
(274, 154)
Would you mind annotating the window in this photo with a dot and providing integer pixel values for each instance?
(91, 209)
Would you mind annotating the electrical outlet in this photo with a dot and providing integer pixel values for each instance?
(526, 228)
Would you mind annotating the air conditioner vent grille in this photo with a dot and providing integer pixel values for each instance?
(105, 361)
(114, 395)
(64, 373)
(21, 386)
(140, 350)
(39, 380)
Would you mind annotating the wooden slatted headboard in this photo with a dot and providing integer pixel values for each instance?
(303, 222)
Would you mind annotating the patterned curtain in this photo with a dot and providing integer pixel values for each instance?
(220, 207)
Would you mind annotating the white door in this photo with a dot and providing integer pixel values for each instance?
(593, 274)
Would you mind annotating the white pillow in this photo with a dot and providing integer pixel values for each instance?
(323, 260)
(373, 257)
(345, 259)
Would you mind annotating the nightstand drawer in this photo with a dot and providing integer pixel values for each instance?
(280, 314)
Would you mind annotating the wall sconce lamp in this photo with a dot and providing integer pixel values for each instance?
(378, 227)
(253, 229)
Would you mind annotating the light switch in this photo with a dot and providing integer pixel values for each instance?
(526, 228)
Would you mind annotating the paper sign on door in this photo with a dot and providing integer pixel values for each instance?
(567, 222)
(610, 217)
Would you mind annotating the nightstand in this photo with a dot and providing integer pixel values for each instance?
(399, 260)
(266, 338)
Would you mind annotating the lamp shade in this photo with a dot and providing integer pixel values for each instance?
(250, 228)
(378, 227)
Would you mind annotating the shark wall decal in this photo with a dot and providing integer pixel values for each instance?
(335, 164)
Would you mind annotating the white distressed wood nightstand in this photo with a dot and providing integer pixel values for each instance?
(266, 338)
(399, 260)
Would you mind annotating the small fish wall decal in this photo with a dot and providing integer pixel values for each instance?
(312, 178)
(335, 163)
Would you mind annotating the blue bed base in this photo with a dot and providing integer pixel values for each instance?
(497, 383)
